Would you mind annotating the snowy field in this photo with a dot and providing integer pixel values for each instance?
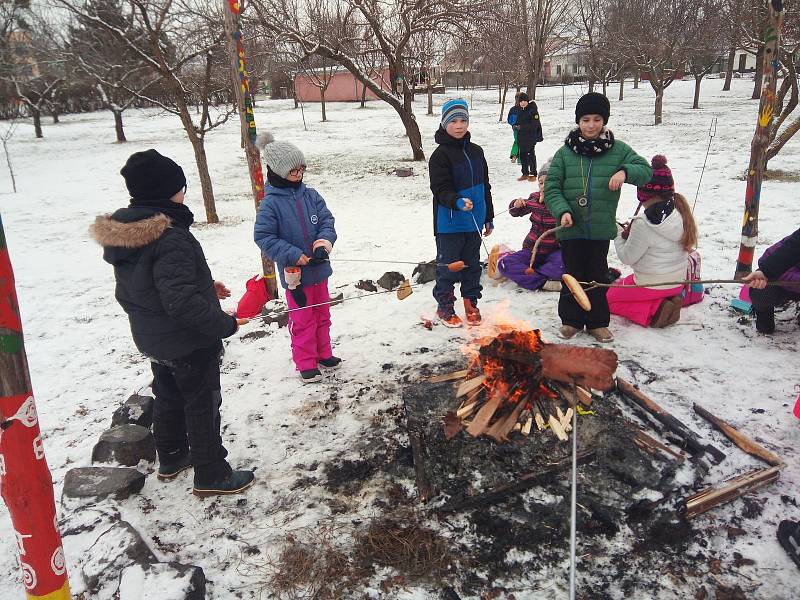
(84, 364)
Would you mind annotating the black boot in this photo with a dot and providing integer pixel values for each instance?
(765, 320)
(236, 482)
(789, 538)
(172, 465)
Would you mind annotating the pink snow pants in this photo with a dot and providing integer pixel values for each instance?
(637, 304)
(310, 327)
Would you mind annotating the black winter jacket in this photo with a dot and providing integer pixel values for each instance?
(528, 126)
(163, 282)
(775, 264)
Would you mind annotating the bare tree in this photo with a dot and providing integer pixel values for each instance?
(544, 26)
(706, 49)
(731, 28)
(182, 42)
(500, 41)
(320, 73)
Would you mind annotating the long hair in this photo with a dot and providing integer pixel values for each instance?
(689, 237)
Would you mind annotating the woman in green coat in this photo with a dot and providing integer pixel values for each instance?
(582, 192)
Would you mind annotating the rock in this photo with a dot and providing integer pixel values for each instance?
(172, 580)
(118, 547)
(137, 410)
(427, 272)
(336, 298)
(275, 313)
(403, 171)
(102, 482)
(367, 285)
(391, 280)
(126, 445)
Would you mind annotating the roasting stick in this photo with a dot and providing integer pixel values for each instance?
(573, 500)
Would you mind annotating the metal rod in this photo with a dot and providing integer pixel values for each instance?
(480, 234)
(397, 262)
(573, 500)
(712, 131)
(590, 285)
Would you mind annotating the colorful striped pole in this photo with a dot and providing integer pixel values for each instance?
(760, 143)
(25, 481)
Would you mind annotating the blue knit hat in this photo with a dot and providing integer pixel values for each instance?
(454, 109)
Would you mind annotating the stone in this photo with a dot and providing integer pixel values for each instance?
(162, 581)
(275, 312)
(118, 547)
(336, 298)
(367, 285)
(391, 280)
(137, 410)
(102, 482)
(426, 272)
(126, 445)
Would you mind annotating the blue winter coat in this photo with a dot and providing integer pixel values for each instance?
(288, 223)
(458, 169)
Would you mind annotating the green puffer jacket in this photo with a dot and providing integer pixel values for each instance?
(570, 172)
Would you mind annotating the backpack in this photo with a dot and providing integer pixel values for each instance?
(254, 298)
(692, 293)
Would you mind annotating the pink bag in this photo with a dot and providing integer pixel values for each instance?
(254, 298)
(693, 292)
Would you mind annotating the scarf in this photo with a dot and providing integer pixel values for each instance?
(277, 181)
(580, 145)
(179, 213)
(659, 211)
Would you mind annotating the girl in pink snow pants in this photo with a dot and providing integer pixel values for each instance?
(295, 229)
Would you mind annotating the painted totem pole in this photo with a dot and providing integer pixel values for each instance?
(244, 97)
(758, 147)
(25, 481)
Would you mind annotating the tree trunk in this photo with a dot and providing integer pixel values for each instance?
(788, 132)
(659, 105)
(697, 81)
(605, 86)
(729, 68)
(504, 91)
(37, 121)
(591, 84)
(118, 125)
(531, 86)
(636, 79)
(55, 116)
(621, 86)
(430, 94)
(198, 145)
(413, 133)
(759, 74)
(364, 96)
(322, 104)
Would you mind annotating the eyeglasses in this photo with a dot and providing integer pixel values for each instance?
(185, 187)
(298, 170)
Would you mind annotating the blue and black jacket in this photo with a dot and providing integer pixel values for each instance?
(458, 169)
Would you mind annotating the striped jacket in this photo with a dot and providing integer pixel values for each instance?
(541, 221)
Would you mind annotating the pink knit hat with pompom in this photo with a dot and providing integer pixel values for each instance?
(661, 183)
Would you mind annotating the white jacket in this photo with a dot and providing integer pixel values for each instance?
(654, 251)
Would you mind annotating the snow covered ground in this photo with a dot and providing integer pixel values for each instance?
(84, 364)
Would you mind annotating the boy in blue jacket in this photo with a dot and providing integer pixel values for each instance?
(295, 229)
(462, 205)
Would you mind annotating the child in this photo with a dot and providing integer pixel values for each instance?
(512, 120)
(582, 192)
(547, 265)
(462, 204)
(529, 132)
(780, 261)
(295, 229)
(165, 287)
(656, 245)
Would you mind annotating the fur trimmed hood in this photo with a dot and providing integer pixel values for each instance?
(112, 233)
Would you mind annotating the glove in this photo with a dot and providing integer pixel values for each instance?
(299, 296)
(320, 256)
(461, 203)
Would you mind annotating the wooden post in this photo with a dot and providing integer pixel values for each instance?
(25, 481)
(244, 100)
(760, 143)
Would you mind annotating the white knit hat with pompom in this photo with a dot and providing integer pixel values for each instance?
(281, 157)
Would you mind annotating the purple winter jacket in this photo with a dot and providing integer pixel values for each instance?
(782, 260)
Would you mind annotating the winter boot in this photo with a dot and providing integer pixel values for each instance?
(473, 314)
(601, 334)
(668, 313)
(310, 376)
(789, 538)
(765, 320)
(169, 467)
(332, 362)
(567, 332)
(448, 317)
(236, 482)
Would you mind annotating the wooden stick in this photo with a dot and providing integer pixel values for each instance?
(584, 396)
(418, 453)
(538, 419)
(481, 421)
(503, 427)
(729, 490)
(520, 484)
(447, 376)
(555, 425)
(526, 429)
(469, 385)
(690, 440)
(566, 422)
(737, 437)
(652, 442)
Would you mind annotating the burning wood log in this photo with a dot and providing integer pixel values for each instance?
(503, 427)
(448, 376)
(737, 437)
(690, 440)
(470, 385)
(480, 423)
(729, 490)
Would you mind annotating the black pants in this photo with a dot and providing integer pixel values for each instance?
(186, 412)
(527, 158)
(451, 247)
(585, 260)
(771, 296)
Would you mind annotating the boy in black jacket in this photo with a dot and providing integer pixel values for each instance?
(462, 205)
(529, 133)
(165, 287)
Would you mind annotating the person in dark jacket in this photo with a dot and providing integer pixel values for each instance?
(164, 285)
(512, 120)
(780, 261)
(295, 229)
(529, 133)
(462, 206)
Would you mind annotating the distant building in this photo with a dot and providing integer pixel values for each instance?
(568, 64)
(343, 87)
(22, 55)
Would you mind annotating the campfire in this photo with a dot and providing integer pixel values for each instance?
(505, 390)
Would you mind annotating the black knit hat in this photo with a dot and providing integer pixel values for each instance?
(151, 176)
(593, 104)
(523, 97)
